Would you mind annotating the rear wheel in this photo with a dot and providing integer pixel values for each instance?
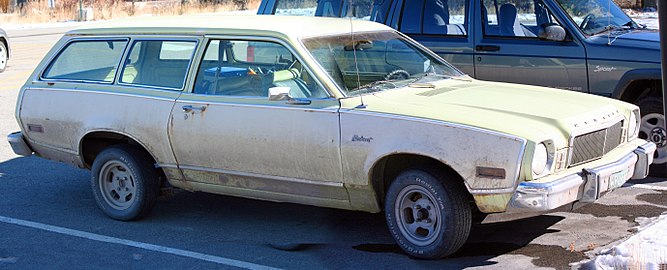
(125, 182)
(427, 213)
(652, 128)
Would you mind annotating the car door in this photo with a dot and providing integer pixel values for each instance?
(508, 49)
(229, 138)
(440, 25)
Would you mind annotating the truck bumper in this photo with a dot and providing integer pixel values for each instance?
(586, 186)
(18, 144)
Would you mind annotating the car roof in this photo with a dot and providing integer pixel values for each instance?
(292, 26)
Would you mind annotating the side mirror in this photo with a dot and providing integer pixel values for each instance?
(279, 93)
(552, 32)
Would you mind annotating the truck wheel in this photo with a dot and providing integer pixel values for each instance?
(652, 128)
(4, 56)
(427, 214)
(125, 182)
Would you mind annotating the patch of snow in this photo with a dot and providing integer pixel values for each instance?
(645, 250)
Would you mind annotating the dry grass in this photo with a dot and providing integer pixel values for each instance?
(38, 11)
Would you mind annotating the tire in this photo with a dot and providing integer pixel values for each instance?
(4, 56)
(428, 214)
(652, 129)
(125, 182)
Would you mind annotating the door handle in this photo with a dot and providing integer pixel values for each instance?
(193, 109)
(298, 101)
(487, 48)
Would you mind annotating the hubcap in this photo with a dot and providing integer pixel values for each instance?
(419, 219)
(652, 129)
(3, 58)
(117, 185)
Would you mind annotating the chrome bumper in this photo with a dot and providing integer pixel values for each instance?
(585, 186)
(18, 144)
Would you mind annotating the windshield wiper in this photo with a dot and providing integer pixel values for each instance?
(372, 86)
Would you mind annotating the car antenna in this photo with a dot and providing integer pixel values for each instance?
(356, 64)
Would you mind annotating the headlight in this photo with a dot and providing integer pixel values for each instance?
(633, 126)
(540, 159)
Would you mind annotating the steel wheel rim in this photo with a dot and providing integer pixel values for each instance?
(117, 185)
(651, 129)
(3, 58)
(419, 220)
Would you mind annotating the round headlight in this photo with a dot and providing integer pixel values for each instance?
(632, 127)
(540, 158)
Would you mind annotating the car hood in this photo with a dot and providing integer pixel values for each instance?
(531, 112)
(643, 38)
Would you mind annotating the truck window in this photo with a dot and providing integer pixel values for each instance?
(434, 17)
(515, 18)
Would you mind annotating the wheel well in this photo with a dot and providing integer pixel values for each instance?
(641, 88)
(386, 169)
(93, 143)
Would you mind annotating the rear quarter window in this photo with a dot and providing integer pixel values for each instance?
(87, 60)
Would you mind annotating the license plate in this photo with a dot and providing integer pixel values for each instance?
(617, 179)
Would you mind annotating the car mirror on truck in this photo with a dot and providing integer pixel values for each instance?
(552, 32)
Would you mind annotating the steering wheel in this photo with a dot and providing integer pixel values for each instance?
(397, 75)
(586, 20)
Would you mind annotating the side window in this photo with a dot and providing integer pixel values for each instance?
(446, 17)
(90, 60)
(296, 7)
(250, 68)
(158, 63)
(411, 16)
(434, 17)
(515, 18)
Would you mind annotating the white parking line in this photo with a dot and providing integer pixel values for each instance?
(119, 241)
(645, 186)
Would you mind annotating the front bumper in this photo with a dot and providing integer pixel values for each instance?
(586, 186)
(18, 144)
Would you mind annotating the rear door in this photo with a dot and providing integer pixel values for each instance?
(507, 47)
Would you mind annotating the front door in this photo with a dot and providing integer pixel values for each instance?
(229, 138)
(508, 48)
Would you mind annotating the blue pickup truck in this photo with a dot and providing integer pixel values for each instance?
(589, 46)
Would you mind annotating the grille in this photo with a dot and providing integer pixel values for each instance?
(594, 145)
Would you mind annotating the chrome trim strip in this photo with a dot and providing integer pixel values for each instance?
(492, 191)
(72, 152)
(105, 93)
(254, 175)
(295, 108)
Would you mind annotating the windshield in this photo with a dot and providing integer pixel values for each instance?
(385, 60)
(596, 16)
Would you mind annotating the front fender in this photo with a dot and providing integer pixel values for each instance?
(632, 76)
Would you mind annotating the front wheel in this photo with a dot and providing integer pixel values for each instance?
(428, 214)
(652, 128)
(125, 183)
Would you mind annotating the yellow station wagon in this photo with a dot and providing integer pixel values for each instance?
(318, 111)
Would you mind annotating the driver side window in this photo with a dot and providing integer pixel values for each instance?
(249, 68)
(515, 18)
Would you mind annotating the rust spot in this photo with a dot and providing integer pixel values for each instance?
(492, 203)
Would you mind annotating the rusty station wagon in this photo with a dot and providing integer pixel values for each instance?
(318, 111)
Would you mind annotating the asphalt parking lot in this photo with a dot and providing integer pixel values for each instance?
(48, 219)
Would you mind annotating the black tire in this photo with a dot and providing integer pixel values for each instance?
(125, 182)
(428, 213)
(652, 129)
(4, 56)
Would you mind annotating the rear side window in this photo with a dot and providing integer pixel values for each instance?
(158, 63)
(89, 60)
(434, 17)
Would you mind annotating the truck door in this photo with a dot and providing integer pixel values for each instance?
(508, 47)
